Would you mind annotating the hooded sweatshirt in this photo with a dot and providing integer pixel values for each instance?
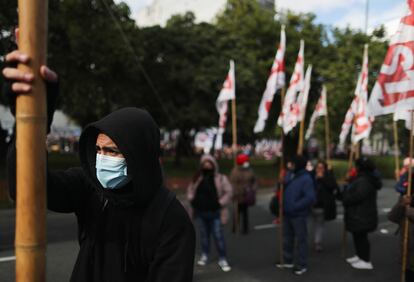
(139, 232)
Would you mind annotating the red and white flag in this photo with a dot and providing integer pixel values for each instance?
(302, 100)
(321, 109)
(275, 82)
(357, 115)
(288, 115)
(394, 89)
(362, 122)
(227, 93)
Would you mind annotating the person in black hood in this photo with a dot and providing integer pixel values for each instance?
(130, 227)
(361, 212)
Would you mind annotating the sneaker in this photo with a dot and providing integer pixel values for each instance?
(352, 260)
(224, 265)
(203, 260)
(299, 270)
(284, 265)
(362, 265)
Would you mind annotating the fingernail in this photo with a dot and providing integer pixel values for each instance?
(24, 57)
(26, 88)
(28, 76)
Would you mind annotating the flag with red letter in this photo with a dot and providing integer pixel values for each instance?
(320, 110)
(362, 122)
(275, 82)
(227, 93)
(394, 89)
(287, 118)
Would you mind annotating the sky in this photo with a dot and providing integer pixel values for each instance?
(339, 13)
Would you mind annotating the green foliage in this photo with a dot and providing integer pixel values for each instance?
(106, 62)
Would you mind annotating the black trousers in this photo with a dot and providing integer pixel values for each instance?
(409, 276)
(362, 246)
(244, 217)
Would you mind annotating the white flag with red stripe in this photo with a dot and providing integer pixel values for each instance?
(394, 89)
(321, 109)
(362, 122)
(288, 115)
(227, 93)
(302, 100)
(346, 126)
(275, 82)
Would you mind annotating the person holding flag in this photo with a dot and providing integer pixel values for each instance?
(275, 82)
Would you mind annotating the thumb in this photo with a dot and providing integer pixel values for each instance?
(48, 74)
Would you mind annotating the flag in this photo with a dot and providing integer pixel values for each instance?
(405, 115)
(302, 100)
(394, 88)
(227, 93)
(286, 120)
(346, 126)
(321, 109)
(275, 81)
(362, 122)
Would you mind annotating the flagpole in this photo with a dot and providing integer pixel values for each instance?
(30, 238)
(234, 131)
(282, 188)
(301, 129)
(408, 193)
(327, 133)
(396, 149)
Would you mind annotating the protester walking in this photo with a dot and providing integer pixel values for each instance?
(209, 194)
(244, 184)
(130, 227)
(298, 198)
(361, 213)
(404, 208)
(324, 209)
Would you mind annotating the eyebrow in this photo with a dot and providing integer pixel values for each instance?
(108, 149)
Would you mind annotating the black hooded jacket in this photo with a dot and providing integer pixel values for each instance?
(360, 203)
(139, 232)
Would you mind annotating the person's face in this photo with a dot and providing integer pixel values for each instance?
(320, 169)
(207, 166)
(107, 147)
(290, 166)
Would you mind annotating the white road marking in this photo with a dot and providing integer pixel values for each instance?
(4, 259)
(264, 226)
(384, 231)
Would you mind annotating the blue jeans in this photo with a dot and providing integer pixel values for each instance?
(295, 228)
(209, 223)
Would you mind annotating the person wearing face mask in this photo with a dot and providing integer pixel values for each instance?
(130, 227)
(298, 198)
(209, 194)
(244, 184)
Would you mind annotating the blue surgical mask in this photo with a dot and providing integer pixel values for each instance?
(110, 171)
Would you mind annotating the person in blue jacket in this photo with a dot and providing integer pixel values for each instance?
(298, 198)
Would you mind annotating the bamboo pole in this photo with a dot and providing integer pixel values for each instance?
(30, 241)
(408, 193)
(396, 149)
(327, 138)
(282, 188)
(301, 130)
(234, 131)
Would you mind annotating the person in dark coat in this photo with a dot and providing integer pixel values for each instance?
(298, 198)
(244, 184)
(130, 227)
(361, 212)
(325, 207)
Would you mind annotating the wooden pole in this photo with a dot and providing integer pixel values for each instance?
(30, 241)
(396, 149)
(282, 188)
(300, 143)
(234, 146)
(327, 138)
(408, 193)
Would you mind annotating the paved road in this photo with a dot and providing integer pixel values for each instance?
(252, 256)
